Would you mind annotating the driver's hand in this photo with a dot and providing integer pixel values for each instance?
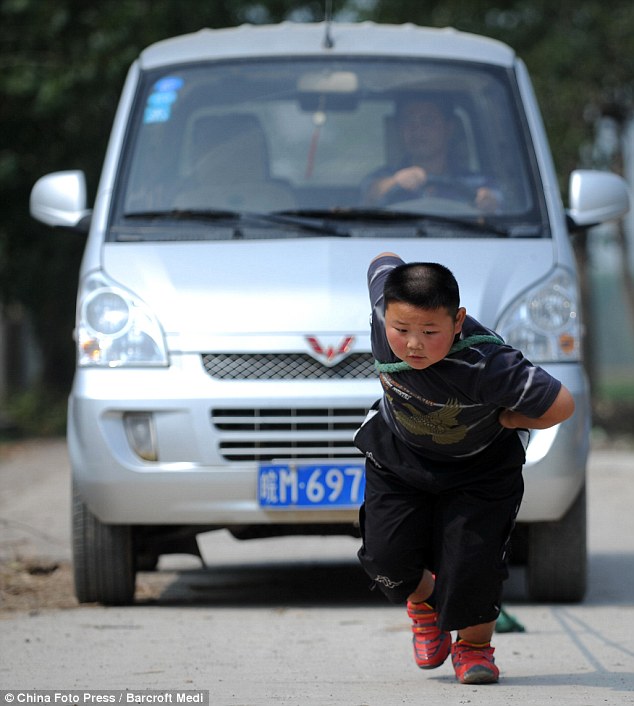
(486, 200)
(410, 178)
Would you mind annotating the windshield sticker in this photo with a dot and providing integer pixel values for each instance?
(159, 103)
(168, 83)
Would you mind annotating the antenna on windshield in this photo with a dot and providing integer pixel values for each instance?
(328, 41)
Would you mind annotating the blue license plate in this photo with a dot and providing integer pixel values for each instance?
(323, 486)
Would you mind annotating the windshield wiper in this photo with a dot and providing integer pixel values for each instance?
(245, 217)
(203, 214)
(304, 221)
(320, 221)
(343, 213)
(477, 223)
(383, 215)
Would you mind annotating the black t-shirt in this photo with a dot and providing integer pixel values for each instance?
(451, 408)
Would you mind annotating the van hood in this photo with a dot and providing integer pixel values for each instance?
(263, 295)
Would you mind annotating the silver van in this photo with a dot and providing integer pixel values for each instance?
(223, 353)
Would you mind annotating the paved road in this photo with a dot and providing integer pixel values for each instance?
(290, 621)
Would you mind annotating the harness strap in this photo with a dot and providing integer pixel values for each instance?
(458, 346)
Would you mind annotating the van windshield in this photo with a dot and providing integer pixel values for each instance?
(358, 147)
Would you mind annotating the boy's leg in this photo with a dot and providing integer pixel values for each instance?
(477, 522)
(396, 527)
(477, 634)
(424, 589)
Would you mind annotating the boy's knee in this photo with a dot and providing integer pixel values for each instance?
(388, 578)
(396, 591)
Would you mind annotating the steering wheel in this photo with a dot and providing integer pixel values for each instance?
(457, 190)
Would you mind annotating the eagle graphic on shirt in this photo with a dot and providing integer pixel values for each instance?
(442, 425)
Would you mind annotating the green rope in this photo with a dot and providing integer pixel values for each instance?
(474, 340)
(458, 346)
(508, 623)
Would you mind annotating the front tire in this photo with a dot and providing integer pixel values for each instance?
(558, 556)
(103, 558)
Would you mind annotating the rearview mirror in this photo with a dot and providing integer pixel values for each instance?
(328, 90)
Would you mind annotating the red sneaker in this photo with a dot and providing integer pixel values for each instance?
(431, 645)
(474, 664)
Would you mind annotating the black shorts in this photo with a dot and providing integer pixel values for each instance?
(453, 519)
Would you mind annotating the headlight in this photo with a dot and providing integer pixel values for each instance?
(115, 328)
(544, 322)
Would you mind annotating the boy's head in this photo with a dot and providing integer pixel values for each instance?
(426, 285)
(422, 312)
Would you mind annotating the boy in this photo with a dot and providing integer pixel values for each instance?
(444, 453)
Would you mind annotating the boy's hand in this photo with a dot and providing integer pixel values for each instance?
(506, 419)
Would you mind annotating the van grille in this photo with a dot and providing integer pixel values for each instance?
(293, 434)
(287, 366)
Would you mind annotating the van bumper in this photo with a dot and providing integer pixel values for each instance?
(192, 484)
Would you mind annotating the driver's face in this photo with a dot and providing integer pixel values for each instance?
(424, 129)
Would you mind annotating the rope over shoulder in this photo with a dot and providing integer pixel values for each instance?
(458, 346)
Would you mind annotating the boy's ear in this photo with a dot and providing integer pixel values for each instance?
(460, 317)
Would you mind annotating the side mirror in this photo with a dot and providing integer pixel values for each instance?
(596, 197)
(59, 199)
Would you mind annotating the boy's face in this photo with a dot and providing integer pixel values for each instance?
(421, 337)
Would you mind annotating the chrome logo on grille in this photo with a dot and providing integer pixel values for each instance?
(330, 350)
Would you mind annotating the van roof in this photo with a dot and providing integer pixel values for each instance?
(307, 39)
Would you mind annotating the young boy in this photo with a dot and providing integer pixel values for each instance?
(444, 453)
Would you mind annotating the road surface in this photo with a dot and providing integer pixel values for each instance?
(291, 621)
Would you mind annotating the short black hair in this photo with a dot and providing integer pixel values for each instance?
(427, 285)
(442, 102)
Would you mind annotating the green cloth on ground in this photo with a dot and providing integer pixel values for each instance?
(508, 623)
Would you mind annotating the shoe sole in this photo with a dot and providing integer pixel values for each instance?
(479, 675)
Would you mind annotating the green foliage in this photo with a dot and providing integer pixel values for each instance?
(62, 66)
(35, 413)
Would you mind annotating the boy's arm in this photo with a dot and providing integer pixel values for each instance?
(385, 254)
(559, 411)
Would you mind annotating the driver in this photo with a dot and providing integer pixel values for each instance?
(425, 129)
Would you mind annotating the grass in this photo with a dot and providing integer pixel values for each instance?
(34, 413)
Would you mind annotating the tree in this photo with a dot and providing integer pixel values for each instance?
(62, 65)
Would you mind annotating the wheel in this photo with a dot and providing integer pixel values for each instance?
(103, 558)
(558, 556)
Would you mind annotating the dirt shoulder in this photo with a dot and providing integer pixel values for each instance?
(35, 568)
(32, 585)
